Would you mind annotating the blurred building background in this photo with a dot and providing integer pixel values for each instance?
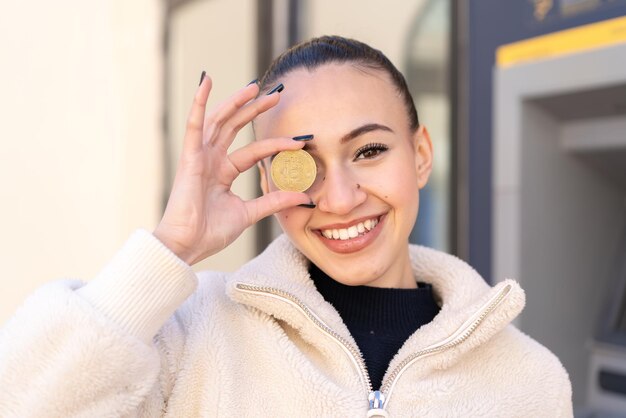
(95, 95)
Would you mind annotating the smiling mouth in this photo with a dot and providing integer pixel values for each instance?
(353, 231)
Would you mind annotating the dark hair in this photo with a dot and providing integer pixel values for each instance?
(336, 49)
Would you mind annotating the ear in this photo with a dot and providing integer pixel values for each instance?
(262, 177)
(423, 148)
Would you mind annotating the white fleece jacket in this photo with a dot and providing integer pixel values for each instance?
(263, 342)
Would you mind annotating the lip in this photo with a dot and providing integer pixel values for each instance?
(353, 244)
(349, 224)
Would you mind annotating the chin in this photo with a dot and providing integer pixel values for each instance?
(352, 272)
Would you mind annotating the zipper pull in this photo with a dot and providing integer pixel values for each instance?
(377, 405)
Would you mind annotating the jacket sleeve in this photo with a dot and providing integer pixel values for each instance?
(85, 351)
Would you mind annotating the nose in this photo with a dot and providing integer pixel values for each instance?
(338, 192)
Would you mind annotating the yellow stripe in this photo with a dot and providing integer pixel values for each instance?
(582, 38)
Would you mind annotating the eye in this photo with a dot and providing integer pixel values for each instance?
(369, 151)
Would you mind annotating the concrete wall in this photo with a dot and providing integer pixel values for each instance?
(79, 136)
(380, 25)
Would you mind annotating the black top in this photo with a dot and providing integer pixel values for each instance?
(379, 319)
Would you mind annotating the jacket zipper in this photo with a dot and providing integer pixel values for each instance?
(457, 338)
(379, 399)
(352, 351)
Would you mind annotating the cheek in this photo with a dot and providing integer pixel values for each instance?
(404, 184)
(293, 221)
(396, 181)
(398, 188)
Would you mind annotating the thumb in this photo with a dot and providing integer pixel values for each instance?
(274, 202)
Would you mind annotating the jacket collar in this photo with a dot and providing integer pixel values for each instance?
(459, 290)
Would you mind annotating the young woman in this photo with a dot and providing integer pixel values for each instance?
(340, 316)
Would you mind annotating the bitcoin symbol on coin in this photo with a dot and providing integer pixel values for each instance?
(293, 171)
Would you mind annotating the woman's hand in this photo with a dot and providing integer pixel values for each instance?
(203, 215)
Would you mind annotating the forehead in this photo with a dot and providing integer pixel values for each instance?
(331, 101)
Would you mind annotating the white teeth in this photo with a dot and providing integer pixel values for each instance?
(351, 232)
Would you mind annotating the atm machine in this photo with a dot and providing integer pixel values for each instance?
(559, 204)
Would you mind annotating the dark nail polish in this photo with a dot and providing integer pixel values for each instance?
(303, 138)
(255, 81)
(308, 205)
(278, 89)
(202, 77)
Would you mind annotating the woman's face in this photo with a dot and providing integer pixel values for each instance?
(370, 164)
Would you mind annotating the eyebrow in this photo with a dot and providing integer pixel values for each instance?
(355, 133)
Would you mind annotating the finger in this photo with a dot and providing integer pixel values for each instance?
(216, 118)
(247, 156)
(195, 119)
(273, 202)
(245, 115)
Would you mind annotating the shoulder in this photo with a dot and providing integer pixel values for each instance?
(211, 303)
(203, 313)
(532, 355)
(209, 296)
(536, 374)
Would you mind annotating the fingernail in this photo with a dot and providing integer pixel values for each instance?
(202, 77)
(255, 81)
(303, 137)
(278, 89)
(308, 205)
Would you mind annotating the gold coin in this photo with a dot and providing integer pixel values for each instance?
(293, 171)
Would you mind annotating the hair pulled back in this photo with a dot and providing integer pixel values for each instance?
(337, 50)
